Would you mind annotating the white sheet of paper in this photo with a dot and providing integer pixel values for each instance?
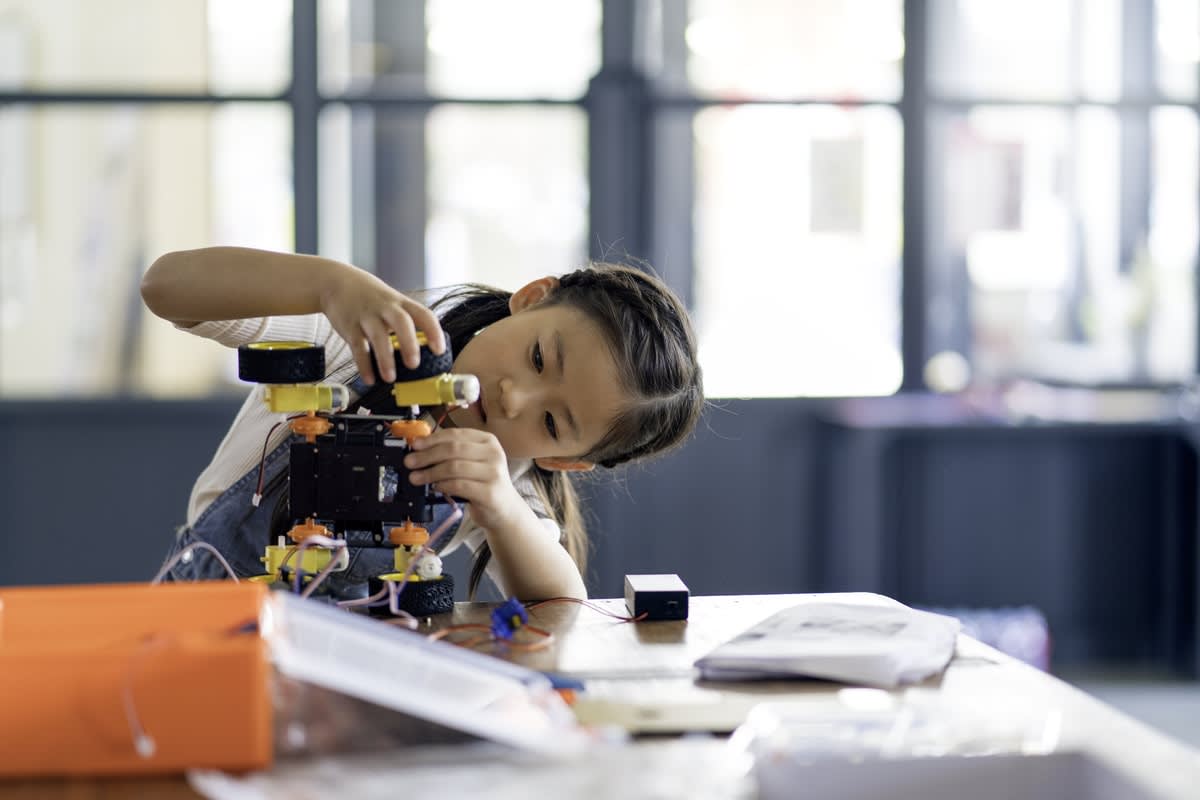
(856, 638)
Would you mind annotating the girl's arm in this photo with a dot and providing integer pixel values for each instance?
(216, 283)
(532, 566)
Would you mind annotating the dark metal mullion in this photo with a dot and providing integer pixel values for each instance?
(914, 110)
(680, 102)
(618, 150)
(133, 98)
(1133, 102)
(400, 184)
(949, 102)
(672, 189)
(659, 100)
(305, 99)
(427, 102)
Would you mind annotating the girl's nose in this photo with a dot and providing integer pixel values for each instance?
(512, 398)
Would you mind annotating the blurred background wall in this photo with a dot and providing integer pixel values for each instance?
(941, 256)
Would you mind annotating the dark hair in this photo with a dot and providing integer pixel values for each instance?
(650, 336)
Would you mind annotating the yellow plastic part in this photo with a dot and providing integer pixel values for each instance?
(284, 398)
(313, 559)
(280, 345)
(421, 340)
(435, 391)
(397, 577)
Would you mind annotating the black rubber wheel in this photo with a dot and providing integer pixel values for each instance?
(281, 362)
(429, 367)
(426, 598)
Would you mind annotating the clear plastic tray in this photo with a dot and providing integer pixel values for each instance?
(342, 678)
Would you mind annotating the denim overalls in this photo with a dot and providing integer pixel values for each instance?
(240, 531)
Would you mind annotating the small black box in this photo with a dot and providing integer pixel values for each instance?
(656, 596)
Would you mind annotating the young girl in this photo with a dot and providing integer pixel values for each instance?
(597, 366)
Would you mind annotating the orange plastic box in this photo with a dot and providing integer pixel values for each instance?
(84, 669)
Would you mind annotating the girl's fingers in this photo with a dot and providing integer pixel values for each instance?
(381, 342)
(425, 320)
(460, 449)
(406, 337)
(454, 437)
(459, 487)
(449, 452)
(362, 358)
(454, 470)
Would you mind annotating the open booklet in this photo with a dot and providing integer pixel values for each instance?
(858, 638)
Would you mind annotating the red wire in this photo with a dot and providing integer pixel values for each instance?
(587, 603)
(262, 461)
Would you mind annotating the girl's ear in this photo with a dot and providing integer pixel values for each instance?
(564, 465)
(532, 293)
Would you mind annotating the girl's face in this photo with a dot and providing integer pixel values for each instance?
(548, 384)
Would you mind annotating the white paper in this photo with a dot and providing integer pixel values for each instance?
(857, 638)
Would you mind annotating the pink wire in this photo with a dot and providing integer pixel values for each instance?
(365, 601)
(390, 588)
(175, 559)
(434, 539)
(323, 541)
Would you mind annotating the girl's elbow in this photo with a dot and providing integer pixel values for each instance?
(577, 590)
(156, 284)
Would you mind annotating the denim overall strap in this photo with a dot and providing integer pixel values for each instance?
(233, 525)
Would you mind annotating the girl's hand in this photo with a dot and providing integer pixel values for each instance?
(365, 311)
(469, 464)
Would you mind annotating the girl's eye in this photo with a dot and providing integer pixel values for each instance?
(538, 363)
(550, 426)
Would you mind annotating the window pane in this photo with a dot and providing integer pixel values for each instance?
(1037, 269)
(797, 250)
(91, 195)
(1169, 276)
(461, 48)
(1177, 39)
(1025, 49)
(145, 45)
(788, 49)
(506, 192)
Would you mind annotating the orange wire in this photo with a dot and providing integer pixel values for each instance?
(539, 644)
(473, 626)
